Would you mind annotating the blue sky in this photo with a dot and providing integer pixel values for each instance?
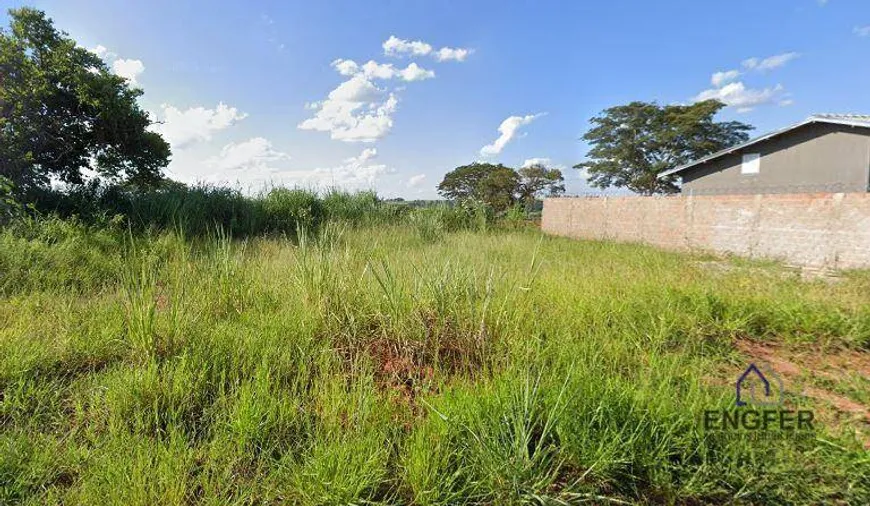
(259, 93)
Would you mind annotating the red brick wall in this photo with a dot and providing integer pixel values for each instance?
(820, 230)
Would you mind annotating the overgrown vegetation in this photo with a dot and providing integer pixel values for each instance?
(202, 210)
(214, 349)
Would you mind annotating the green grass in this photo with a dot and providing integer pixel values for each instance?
(397, 364)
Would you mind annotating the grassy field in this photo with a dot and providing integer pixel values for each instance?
(408, 365)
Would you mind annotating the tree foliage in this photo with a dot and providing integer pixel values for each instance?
(499, 186)
(537, 181)
(62, 111)
(632, 144)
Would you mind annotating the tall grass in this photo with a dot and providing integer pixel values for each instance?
(202, 210)
(384, 364)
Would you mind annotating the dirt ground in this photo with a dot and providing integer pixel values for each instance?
(837, 382)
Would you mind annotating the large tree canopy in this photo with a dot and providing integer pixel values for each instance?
(63, 111)
(538, 181)
(500, 186)
(632, 144)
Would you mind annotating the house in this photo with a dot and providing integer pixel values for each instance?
(824, 153)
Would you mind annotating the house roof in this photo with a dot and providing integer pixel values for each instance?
(854, 120)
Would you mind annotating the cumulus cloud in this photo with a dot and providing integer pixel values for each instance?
(769, 63)
(358, 110)
(253, 154)
(354, 112)
(452, 53)
(128, 69)
(255, 164)
(101, 51)
(345, 67)
(414, 73)
(184, 127)
(720, 79)
(733, 92)
(508, 130)
(366, 155)
(415, 181)
(862, 31)
(397, 47)
(361, 108)
(546, 162)
(355, 172)
(375, 70)
(738, 95)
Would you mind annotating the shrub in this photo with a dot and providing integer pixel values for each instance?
(45, 253)
(290, 210)
(10, 208)
(428, 223)
(515, 216)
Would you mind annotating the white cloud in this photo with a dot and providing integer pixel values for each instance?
(366, 155)
(375, 70)
(452, 53)
(722, 78)
(395, 46)
(862, 31)
(415, 181)
(356, 110)
(727, 89)
(751, 63)
(738, 95)
(356, 89)
(414, 73)
(253, 154)
(353, 112)
(101, 51)
(769, 63)
(345, 67)
(182, 128)
(546, 162)
(254, 165)
(128, 69)
(508, 130)
(354, 173)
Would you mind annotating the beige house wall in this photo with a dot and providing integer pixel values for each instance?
(818, 157)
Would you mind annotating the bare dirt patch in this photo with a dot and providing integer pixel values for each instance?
(835, 380)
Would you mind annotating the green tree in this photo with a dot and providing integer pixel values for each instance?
(62, 111)
(632, 144)
(495, 185)
(537, 181)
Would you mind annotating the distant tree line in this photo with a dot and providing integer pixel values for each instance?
(501, 187)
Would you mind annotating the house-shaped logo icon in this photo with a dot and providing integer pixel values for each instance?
(770, 386)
